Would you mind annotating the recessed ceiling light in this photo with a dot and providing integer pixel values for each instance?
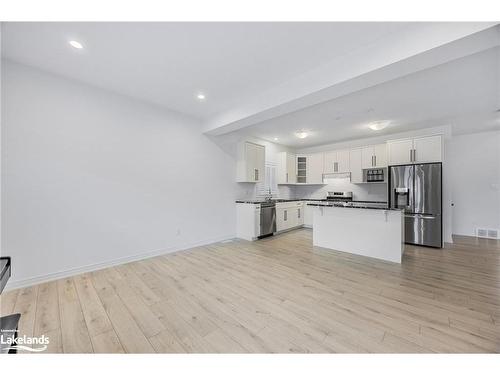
(378, 125)
(201, 96)
(301, 134)
(75, 44)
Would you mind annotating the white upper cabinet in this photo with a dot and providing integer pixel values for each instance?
(427, 149)
(415, 150)
(336, 162)
(250, 165)
(314, 173)
(374, 156)
(380, 155)
(367, 157)
(400, 151)
(355, 160)
(287, 168)
(310, 169)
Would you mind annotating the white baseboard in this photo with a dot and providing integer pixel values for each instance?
(16, 284)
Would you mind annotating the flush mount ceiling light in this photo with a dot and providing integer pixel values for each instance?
(275, 138)
(378, 125)
(301, 134)
(75, 44)
(201, 96)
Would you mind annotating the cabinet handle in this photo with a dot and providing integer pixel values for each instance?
(287, 177)
(374, 160)
(335, 166)
(411, 155)
(414, 155)
(298, 213)
(285, 215)
(256, 174)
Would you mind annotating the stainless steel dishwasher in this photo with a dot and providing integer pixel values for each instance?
(267, 218)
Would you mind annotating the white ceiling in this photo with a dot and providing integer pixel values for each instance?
(271, 79)
(167, 63)
(463, 93)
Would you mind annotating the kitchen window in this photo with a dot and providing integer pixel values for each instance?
(269, 181)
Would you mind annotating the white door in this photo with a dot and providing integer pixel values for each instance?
(330, 158)
(302, 169)
(260, 160)
(300, 215)
(367, 157)
(280, 220)
(380, 155)
(427, 149)
(292, 217)
(343, 161)
(308, 215)
(315, 169)
(355, 165)
(291, 168)
(250, 157)
(400, 151)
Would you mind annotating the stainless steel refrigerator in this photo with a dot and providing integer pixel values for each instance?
(418, 190)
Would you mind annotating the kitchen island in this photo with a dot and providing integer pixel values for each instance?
(375, 232)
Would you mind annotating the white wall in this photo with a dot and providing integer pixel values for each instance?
(475, 176)
(90, 177)
(1, 130)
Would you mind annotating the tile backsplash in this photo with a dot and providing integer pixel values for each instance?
(363, 192)
(250, 191)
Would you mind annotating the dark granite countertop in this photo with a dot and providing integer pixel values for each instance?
(258, 201)
(367, 207)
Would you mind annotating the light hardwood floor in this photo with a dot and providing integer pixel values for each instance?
(277, 295)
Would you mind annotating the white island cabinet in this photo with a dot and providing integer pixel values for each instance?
(375, 233)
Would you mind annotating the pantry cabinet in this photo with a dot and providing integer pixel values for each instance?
(336, 162)
(374, 156)
(415, 150)
(287, 168)
(250, 165)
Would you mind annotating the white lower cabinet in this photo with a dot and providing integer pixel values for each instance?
(308, 215)
(300, 214)
(281, 219)
(247, 221)
(289, 215)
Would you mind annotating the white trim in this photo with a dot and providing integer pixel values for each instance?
(11, 285)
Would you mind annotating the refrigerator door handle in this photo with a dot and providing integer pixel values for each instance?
(426, 217)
